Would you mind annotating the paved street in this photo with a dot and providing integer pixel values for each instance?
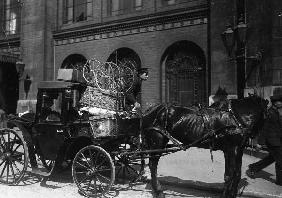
(181, 172)
(61, 186)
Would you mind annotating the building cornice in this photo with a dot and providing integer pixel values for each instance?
(153, 22)
(10, 42)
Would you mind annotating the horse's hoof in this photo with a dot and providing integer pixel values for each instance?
(251, 174)
(159, 194)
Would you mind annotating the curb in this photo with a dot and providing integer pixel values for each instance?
(209, 187)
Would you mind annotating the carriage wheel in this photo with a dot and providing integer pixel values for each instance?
(93, 171)
(13, 156)
(129, 168)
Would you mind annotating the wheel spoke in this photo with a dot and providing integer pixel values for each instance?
(104, 170)
(3, 169)
(81, 172)
(16, 166)
(81, 165)
(83, 180)
(12, 169)
(91, 155)
(15, 148)
(8, 162)
(104, 177)
(86, 159)
(2, 163)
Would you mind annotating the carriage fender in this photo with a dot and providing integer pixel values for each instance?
(24, 132)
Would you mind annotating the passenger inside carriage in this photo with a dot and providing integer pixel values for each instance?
(49, 112)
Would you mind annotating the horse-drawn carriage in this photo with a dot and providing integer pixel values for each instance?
(114, 145)
(62, 133)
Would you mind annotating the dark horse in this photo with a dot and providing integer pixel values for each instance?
(226, 130)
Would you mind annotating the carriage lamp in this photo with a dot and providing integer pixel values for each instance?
(228, 39)
(27, 83)
(20, 68)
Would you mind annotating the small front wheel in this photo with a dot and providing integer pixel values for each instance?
(93, 171)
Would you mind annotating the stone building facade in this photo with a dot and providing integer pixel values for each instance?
(178, 40)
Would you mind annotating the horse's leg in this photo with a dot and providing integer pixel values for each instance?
(233, 164)
(156, 186)
(228, 155)
(155, 140)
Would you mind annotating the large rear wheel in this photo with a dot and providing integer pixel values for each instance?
(13, 156)
(93, 171)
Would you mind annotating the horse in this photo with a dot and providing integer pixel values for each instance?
(225, 130)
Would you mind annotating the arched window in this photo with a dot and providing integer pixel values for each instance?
(74, 61)
(184, 74)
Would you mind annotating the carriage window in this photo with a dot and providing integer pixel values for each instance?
(50, 106)
(77, 10)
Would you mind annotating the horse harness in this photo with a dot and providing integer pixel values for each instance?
(237, 129)
(211, 135)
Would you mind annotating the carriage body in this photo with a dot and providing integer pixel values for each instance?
(60, 135)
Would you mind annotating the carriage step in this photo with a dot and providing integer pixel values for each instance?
(41, 171)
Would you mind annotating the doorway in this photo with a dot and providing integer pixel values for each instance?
(9, 87)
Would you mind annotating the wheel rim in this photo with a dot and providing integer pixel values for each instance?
(93, 171)
(13, 156)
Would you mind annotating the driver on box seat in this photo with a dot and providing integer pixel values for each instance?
(133, 95)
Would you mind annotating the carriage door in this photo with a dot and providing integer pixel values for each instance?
(185, 79)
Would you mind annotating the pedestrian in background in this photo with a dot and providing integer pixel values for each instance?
(272, 133)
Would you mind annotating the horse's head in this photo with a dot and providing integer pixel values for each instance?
(250, 112)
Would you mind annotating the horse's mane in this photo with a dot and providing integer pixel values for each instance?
(152, 109)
